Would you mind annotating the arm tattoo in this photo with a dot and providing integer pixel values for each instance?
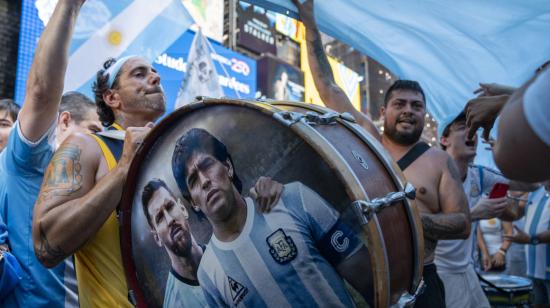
(62, 178)
(48, 254)
(443, 226)
(324, 65)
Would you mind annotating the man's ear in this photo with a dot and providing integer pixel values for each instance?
(444, 141)
(382, 110)
(157, 238)
(63, 121)
(195, 207)
(229, 166)
(183, 208)
(111, 98)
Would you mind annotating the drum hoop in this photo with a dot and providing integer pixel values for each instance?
(377, 247)
(135, 293)
(396, 175)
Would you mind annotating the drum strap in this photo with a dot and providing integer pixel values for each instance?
(492, 285)
(413, 154)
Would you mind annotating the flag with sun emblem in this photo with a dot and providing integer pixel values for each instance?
(115, 29)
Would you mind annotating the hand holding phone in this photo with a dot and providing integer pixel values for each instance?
(498, 191)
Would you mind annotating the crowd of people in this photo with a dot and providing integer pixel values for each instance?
(61, 180)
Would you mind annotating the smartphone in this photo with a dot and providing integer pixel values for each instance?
(498, 191)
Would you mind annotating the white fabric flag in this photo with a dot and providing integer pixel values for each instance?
(201, 78)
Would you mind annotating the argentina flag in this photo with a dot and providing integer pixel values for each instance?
(115, 29)
(448, 46)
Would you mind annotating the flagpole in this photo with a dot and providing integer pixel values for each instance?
(221, 64)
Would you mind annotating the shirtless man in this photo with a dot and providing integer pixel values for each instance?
(440, 198)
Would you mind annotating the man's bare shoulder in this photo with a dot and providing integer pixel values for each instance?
(430, 165)
(87, 145)
(437, 155)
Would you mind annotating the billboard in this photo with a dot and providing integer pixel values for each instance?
(256, 28)
(279, 81)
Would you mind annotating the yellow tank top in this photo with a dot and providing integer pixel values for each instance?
(99, 270)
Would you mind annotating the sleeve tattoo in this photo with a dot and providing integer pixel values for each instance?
(446, 225)
(47, 253)
(62, 178)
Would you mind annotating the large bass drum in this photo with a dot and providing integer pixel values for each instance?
(326, 151)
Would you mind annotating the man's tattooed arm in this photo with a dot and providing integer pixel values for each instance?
(443, 226)
(453, 221)
(46, 254)
(78, 195)
(330, 93)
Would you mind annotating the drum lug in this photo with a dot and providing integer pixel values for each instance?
(327, 118)
(408, 299)
(288, 117)
(365, 209)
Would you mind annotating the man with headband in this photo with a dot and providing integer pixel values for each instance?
(75, 212)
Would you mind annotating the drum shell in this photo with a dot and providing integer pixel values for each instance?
(521, 294)
(401, 250)
(399, 223)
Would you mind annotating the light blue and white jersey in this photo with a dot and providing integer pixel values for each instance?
(281, 259)
(454, 256)
(537, 220)
(181, 292)
(24, 163)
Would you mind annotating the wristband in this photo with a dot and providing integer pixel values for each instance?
(502, 252)
(534, 240)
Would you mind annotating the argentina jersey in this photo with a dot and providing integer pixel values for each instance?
(537, 220)
(281, 259)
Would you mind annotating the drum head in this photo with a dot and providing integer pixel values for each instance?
(508, 281)
(259, 145)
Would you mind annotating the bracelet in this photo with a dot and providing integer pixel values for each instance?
(502, 252)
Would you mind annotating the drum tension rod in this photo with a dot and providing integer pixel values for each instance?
(289, 117)
(407, 299)
(365, 209)
(327, 118)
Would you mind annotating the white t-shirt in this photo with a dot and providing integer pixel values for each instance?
(536, 106)
(454, 256)
(492, 234)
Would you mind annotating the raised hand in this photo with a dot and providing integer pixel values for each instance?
(520, 237)
(482, 112)
(132, 141)
(266, 192)
(487, 208)
(306, 12)
(493, 89)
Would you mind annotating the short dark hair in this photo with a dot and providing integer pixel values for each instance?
(194, 141)
(11, 107)
(77, 104)
(148, 192)
(404, 85)
(100, 86)
(447, 130)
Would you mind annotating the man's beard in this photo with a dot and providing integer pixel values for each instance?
(182, 248)
(402, 138)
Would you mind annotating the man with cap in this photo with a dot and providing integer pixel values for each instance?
(454, 257)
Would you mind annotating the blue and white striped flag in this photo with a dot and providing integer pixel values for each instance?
(448, 46)
(118, 28)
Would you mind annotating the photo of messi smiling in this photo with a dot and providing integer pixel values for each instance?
(297, 254)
